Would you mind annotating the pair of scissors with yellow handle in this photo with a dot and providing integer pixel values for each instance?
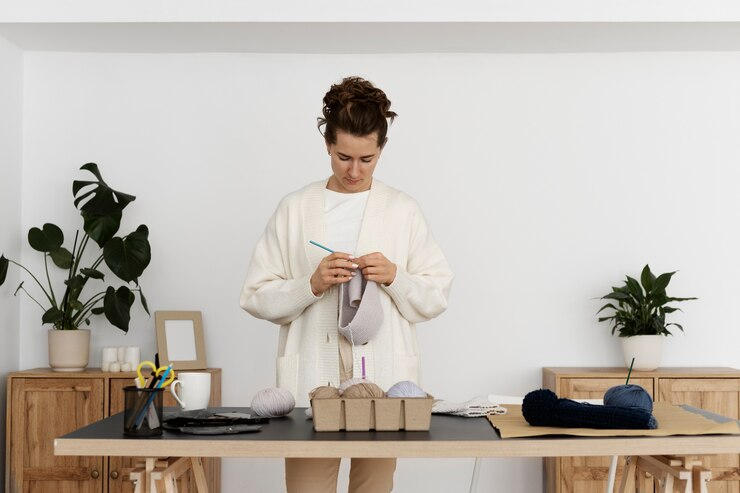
(157, 372)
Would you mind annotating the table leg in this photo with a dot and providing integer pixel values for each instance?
(200, 475)
(701, 476)
(627, 484)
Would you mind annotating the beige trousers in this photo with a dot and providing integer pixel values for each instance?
(320, 475)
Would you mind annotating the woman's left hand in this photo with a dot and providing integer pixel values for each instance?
(375, 267)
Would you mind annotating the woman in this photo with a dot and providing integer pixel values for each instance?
(375, 231)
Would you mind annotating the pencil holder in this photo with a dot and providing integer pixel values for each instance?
(142, 416)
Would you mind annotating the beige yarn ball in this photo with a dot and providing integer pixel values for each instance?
(363, 390)
(324, 392)
(348, 383)
(273, 403)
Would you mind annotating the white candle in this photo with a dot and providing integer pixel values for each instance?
(114, 367)
(133, 356)
(125, 366)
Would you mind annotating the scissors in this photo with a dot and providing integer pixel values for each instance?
(155, 371)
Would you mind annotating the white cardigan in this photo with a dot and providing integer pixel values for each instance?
(278, 289)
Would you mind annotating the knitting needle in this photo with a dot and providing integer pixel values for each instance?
(363, 368)
(321, 246)
(628, 373)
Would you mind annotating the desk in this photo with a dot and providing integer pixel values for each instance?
(449, 436)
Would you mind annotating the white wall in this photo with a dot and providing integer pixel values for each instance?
(545, 179)
(11, 77)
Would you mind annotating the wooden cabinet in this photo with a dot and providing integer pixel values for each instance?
(43, 405)
(714, 389)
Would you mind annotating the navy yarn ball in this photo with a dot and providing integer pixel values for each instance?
(629, 396)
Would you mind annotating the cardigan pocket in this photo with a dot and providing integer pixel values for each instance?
(406, 367)
(287, 373)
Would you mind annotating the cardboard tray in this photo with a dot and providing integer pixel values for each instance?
(380, 414)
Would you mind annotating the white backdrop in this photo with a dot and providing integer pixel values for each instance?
(545, 179)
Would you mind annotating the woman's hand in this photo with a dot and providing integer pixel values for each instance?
(375, 267)
(333, 269)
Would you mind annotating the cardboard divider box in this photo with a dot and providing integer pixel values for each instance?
(380, 414)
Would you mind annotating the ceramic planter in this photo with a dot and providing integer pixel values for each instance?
(69, 350)
(647, 351)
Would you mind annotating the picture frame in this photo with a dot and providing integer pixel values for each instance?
(180, 339)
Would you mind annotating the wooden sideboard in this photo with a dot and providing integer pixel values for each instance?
(43, 405)
(713, 389)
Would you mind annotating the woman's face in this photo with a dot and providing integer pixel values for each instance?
(353, 161)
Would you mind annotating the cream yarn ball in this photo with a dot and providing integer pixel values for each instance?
(273, 403)
(406, 388)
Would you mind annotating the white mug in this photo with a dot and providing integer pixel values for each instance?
(195, 390)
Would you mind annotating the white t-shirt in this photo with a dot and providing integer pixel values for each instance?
(343, 214)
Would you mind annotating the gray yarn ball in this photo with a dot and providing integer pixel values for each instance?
(273, 403)
(406, 388)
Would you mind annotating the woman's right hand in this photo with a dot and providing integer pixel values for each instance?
(333, 269)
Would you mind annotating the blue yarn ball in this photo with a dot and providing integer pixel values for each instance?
(629, 396)
(405, 388)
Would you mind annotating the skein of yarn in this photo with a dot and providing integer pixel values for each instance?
(363, 390)
(629, 396)
(406, 388)
(324, 392)
(273, 402)
(348, 383)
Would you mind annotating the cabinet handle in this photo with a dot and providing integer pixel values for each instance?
(114, 475)
(95, 474)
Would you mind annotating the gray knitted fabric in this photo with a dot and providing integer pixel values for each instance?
(360, 313)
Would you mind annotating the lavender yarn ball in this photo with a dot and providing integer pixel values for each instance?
(349, 383)
(273, 403)
(406, 388)
(629, 396)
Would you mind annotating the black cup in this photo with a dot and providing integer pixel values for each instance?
(142, 416)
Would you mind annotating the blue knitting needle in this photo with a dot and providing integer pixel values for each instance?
(321, 246)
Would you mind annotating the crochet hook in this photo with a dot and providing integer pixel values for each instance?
(321, 246)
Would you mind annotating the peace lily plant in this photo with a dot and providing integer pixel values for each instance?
(127, 256)
(639, 309)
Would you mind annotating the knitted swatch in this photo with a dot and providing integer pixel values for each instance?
(360, 313)
(544, 408)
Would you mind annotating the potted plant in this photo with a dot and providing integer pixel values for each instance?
(640, 317)
(127, 256)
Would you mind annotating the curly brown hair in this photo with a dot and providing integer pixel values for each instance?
(357, 107)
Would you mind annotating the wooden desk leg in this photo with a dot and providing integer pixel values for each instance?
(701, 476)
(627, 483)
(200, 475)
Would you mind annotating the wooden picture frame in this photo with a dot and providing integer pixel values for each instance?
(180, 339)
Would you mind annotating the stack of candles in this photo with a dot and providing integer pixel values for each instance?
(122, 358)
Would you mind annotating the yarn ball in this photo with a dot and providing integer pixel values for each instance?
(629, 396)
(324, 392)
(348, 383)
(406, 388)
(273, 403)
(363, 390)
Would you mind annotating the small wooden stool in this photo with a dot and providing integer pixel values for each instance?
(674, 474)
(160, 475)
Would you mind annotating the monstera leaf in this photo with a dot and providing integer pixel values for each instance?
(101, 206)
(128, 257)
(117, 306)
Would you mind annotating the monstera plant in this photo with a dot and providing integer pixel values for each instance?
(126, 257)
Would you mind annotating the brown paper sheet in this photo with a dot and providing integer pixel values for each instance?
(672, 420)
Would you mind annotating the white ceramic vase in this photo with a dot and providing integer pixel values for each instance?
(647, 351)
(69, 350)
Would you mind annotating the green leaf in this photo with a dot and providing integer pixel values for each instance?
(608, 305)
(647, 278)
(616, 296)
(128, 257)
(95, 274)
(76, 305)
(3, 269)
(52, 316)
(117, 306)
(62, 258)
(634, 288)
(47, 239)
(101, 206)
(662, 281)
(97, 310)
(144, 302)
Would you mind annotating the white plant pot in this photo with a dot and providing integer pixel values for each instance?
(647, 351)
(69, 350)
